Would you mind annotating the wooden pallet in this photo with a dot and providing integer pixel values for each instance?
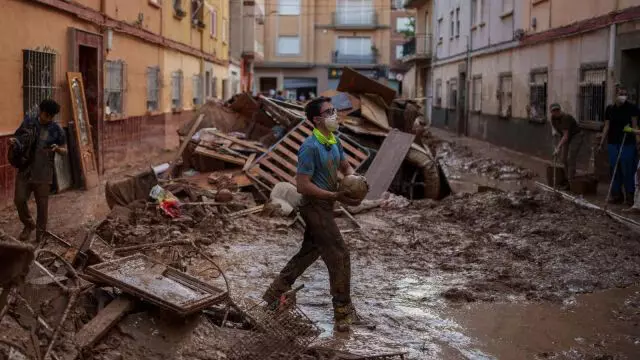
(279, 164)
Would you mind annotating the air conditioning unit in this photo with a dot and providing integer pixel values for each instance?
(518, 34)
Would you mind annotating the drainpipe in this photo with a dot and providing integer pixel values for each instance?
(612, 62)
(469, 79)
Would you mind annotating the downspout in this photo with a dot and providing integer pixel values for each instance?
(468, 94)
(202, 84)
(612, 62)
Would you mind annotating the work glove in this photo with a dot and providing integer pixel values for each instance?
(629, 129)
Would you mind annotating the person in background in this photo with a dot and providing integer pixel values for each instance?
(37, 176)
(635, 207)
(571, 139)
(280, 96)
(272, 93)
(320, 158)
(617, 116)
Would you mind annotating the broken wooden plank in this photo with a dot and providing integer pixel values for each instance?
(283, 162)
(283, 149)
(298, 137)
(387, 162)
(278, 171)
(249, 162)
(265, 175)
(244, 143)
(108, 317)
(216, 155)
(253, 210)
(184, 144)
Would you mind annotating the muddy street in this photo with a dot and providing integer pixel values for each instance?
(494, 274)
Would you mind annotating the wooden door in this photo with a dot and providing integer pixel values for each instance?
(83, 131)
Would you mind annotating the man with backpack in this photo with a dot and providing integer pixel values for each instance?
(32, 152)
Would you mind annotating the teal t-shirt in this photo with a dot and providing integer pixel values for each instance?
(321, 162)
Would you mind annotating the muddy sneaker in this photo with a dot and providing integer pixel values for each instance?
(628, 200)
(615, 200)
(347, 317)
(25, 234)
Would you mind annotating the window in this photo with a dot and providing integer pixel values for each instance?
(453, 94)
(214, 87)
(505, 85)
(153, 88)
(592, 94)
(398, 4)
(176, 90)
(289, 7)
(439, 29)
(225, 27)
(538, 95)
(178, 10)
(214, 23)
(507, 6)
(404, 24)
(355, 12)
(476, 94)
(452, 26)
(458, 22)
(197, 13)
(197, 90)
(225, 89)
(438, 93)
(288, 45)
(114, 87)
(38, 79)
(354, 49)
(399, 51)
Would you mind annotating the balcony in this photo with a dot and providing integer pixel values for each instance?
(419, 48)
(345, 19)
(415, 4)
(349, 59)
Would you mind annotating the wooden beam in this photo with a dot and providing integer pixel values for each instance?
(108, 317)
(201, 150)
(184, 144)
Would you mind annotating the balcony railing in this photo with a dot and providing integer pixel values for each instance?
(355, 19)
(418, 47)
(365, 59)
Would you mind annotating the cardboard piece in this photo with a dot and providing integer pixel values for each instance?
(353, 82)
(374, 112)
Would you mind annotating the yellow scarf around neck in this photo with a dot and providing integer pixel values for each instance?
(324, 140)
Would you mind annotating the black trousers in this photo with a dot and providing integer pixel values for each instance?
(23, 191)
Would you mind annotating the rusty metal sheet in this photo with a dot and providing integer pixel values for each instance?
(157, 283)
(279, 163)
(387, 162)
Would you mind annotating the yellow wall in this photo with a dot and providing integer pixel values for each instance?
(190, 66)
(137, 56)
(46, 29)
(129, 11)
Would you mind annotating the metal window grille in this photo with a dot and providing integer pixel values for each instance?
(453, 94)
(452, 26)
(592, 94)
(176, 90)
(538, 95)
(214, 87)
(153, 88)
(476, 96)
(439, 93)
(114, 86)
(38, 79)
(505, 95)
(197, 89)
(177, 4)
(225, 89)
(458, 22)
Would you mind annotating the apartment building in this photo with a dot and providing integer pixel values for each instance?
(402, 31)
(308, 43)
(499, 64)
(417, 53)
(247, 39)
(146, 66)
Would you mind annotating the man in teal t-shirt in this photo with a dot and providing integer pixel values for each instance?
(320, 158)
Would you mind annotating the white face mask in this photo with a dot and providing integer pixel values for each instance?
(622, 98)
(331, 122)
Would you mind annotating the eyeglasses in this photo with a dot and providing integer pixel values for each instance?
(329, 112)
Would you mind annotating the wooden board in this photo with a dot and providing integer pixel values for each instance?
(84, 139)
(279, 164)
(244, 143)
(184, 144)
(353, 82)
(108, 317)
(387, 162)
(200, 150)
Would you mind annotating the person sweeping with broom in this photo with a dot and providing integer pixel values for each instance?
(571, 141)
(621, 147)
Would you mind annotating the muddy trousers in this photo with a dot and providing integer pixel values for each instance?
(322, 239)
(569, 154)
(626, 173)
(23, 191)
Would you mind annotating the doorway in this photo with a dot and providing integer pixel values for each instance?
(88, 60)
(630, 72)
(268, 83)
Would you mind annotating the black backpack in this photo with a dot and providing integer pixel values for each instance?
(20, 153)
